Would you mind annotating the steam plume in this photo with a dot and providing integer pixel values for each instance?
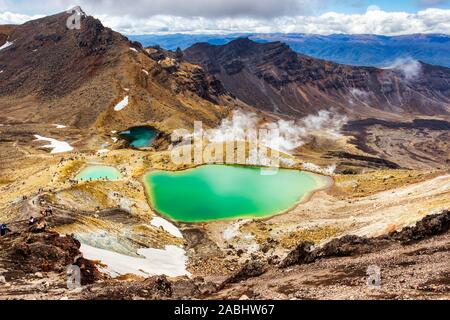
(410, 68)
(282, 135)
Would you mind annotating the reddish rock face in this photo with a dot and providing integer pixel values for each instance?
(30, 252)
(272, 77)
(5, 31)
(54, 74)
(47, 59)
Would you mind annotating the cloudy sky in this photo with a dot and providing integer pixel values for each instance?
(389, 17)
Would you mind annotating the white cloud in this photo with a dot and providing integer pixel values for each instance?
(373, 8)
(373, 21)
(15, 18)
(203, 8)
(182, 8)
(370, 22)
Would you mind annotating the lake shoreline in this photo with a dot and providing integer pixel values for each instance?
(322, 182)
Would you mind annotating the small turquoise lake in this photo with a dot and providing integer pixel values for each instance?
(98, 172)
(216, 192)
(139, 137)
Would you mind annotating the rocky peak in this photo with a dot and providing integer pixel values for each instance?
(48, 58)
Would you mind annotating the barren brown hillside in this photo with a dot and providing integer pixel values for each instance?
(76, 77)
(273, 77)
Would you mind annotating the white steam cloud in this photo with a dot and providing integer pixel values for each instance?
(283, 135)
(410, 67)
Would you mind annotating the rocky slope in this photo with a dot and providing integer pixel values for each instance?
(273, 77)
(5, 32)
(77, 78)
(411, 265)
(51, 74)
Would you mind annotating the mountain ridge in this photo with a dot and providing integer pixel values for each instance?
(352, 49)
(272, 77)
(55, 75)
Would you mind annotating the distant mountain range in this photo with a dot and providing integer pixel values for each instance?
(360, 50)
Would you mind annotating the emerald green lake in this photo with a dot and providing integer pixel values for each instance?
(98, 172)
(215, 192)
(139, 137)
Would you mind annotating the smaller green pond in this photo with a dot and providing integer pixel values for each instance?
(139, 137)
(98, 172)
(216, 192)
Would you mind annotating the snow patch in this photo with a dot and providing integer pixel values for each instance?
(170, 261)
(57, 146)
(133, 49)
(122, 104)
(59, 126)
(6, 45)
(167, 226)
(145, 71)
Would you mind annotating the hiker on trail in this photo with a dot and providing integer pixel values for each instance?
(49, 211)
(4, 229)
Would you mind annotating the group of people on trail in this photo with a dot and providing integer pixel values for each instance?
(47, 212)
(44, 212)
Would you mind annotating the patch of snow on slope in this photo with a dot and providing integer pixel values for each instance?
(133, 49)
(170, 261)
(59, 126)
(167, 226)
(55, 145)
(6, 45)
(122, 104)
